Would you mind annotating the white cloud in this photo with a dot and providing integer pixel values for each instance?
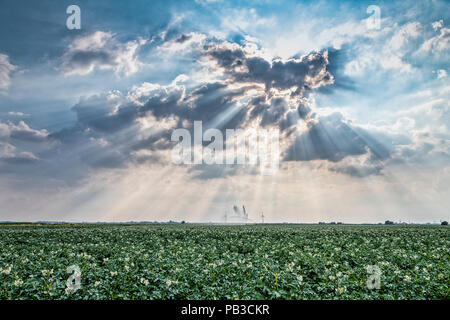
(437, 44)
(404, 34)
(441, 74)
(18, 114)
(437, 24)
(19, 143)
(8, 151)
(101, 50)
(206, 2)
(5, 72)
(390, 55)
(245, 19)
(21, 131)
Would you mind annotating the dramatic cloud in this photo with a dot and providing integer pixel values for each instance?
(297, 75)
(333, 138)
(116, 130)
(101, 50)
(248, 89)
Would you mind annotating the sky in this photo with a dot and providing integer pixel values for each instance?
(358, 91)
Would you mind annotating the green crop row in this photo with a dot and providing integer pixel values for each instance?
(225, 262)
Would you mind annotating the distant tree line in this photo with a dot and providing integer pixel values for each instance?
(388, 222)
(331, 222)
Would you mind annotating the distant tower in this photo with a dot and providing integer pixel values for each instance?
(225, 216)
(262, 217)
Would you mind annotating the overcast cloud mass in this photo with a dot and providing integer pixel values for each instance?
(86, 116)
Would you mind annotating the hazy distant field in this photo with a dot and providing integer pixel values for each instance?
(233, 262)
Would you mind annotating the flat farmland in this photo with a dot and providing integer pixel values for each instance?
(187, 261)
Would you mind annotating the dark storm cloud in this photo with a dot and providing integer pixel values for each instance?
(270, 112)
(278, 112)
(183, 38)
(337, 60)
(300, 74)
(83, 59)
(303, 111)
(107, 133)
(332, 138)
(203, 103)
(99, 113)
(212, 100)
